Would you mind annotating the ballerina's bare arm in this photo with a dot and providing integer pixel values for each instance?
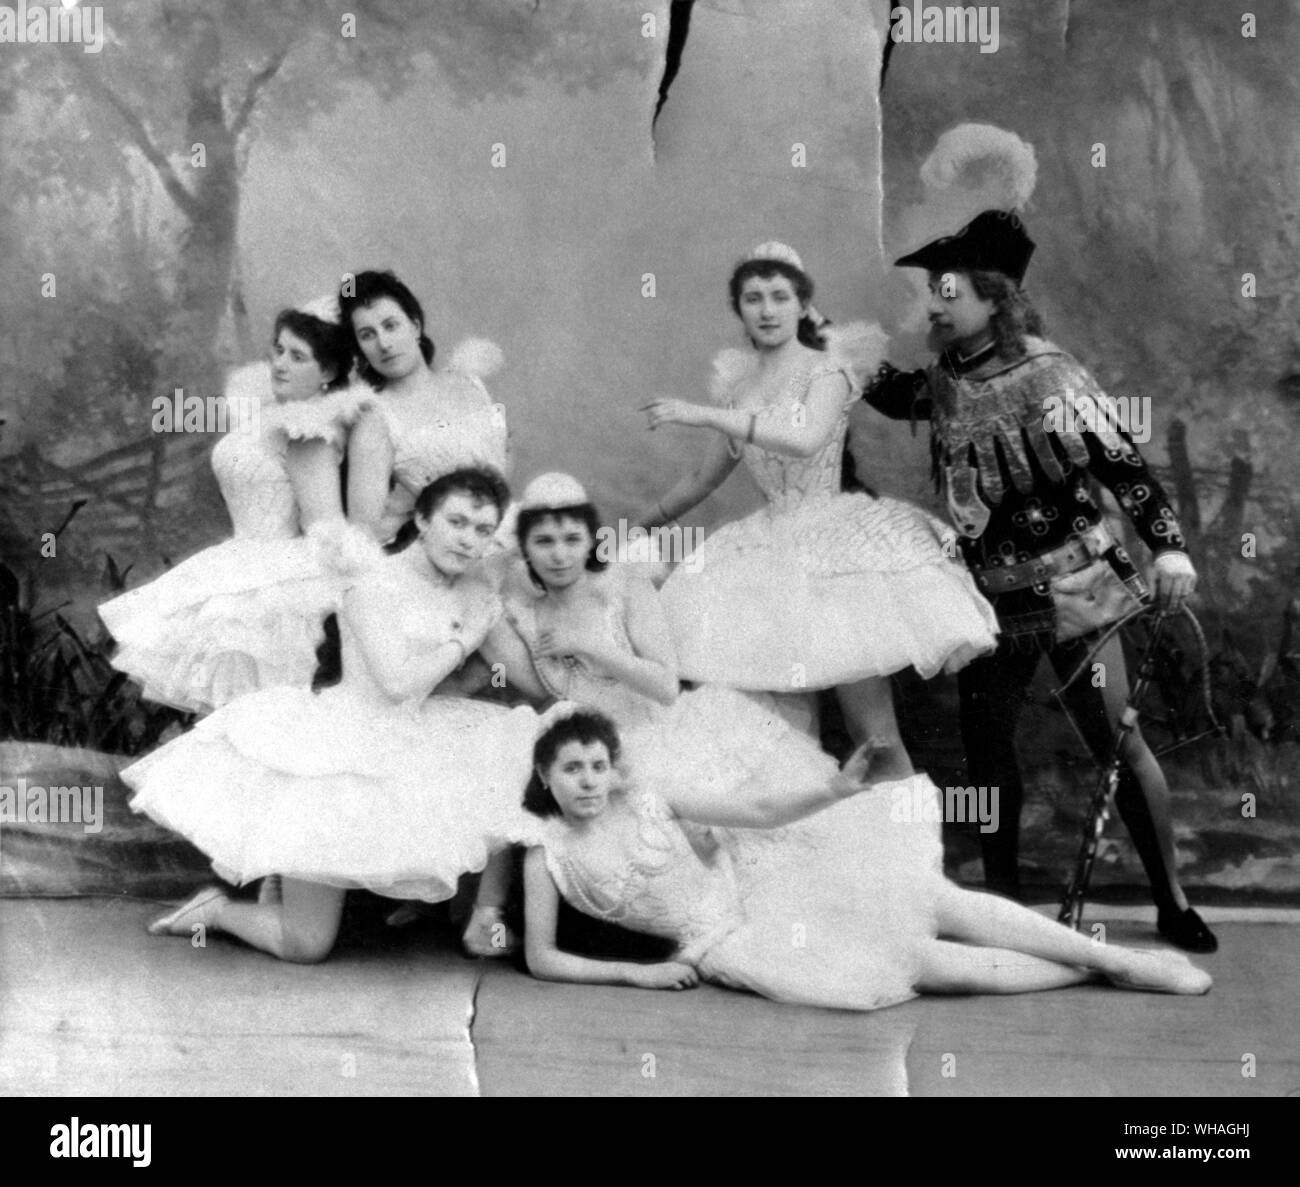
(765, 810)
(504, 650)
(404, 668)
(652, 670)
(798, 428)
(313, 469)
(370, 469)
(693, 488)
(549, 963)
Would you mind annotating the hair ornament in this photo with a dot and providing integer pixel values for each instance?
(324, 309)
(549, 492)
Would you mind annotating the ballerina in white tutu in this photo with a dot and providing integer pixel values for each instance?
(246, 614)
(820, 588)
(818, 896)
(368, 784)
(421, 422)
(578, 630)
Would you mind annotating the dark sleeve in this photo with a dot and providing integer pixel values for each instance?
(899, 395)
(1138, 492)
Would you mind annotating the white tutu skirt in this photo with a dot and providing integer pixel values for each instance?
(838, 906)
(720, 740)
(829, 591)
(240, 616)
(338, 790)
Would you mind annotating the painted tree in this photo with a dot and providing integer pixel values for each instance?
(142, 149)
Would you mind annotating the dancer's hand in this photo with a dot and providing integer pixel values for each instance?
(671, 974)
(675, 412)
(872, 762)
(1173, 576)
(587, 642)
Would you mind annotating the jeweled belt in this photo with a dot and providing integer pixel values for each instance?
(1074, 554)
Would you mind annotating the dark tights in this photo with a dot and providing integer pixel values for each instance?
(994, 690)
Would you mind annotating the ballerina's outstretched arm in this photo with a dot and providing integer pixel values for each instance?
(549, 963)
(871, 763)
(799, 428)
(693, 488)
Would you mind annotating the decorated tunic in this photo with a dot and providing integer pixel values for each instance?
(1014, 446)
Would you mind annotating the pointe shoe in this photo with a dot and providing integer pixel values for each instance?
(1161, 972)
(1185, 929)
(198, 910)
(487, 936)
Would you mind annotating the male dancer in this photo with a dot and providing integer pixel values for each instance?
(1018, 429)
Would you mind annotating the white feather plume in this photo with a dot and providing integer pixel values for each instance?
(859, 346)
(996, 162)
(477, 357)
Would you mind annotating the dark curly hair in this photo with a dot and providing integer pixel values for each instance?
(585, 727)
(363, 290)
(585, 513)
(809, 330)
(1014, 316)
(330, 344)
(482, 484)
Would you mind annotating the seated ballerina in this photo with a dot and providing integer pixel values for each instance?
(578, 629)
(816, 896)
(367, 784)
(246, 614)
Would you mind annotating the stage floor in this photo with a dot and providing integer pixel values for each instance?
(92, 1005)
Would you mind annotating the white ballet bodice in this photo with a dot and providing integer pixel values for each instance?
(250, 470)
(791, 481)
(449, 423)
(569, 678)
(420, 616)
(250, 462)
(634, 866)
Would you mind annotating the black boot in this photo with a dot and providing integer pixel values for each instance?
(1186, 930)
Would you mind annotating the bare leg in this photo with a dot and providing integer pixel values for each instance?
(301, 928)
(486, 933)
(868, 707)
(992, 922)
(959, 968)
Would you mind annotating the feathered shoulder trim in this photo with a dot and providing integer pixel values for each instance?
(730, 368)
(325, 416)
(343, 548)
(476, 358)
(856, 348)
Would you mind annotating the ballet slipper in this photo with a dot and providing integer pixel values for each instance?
(486, 934)
(1160, 972)
(199, 910)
